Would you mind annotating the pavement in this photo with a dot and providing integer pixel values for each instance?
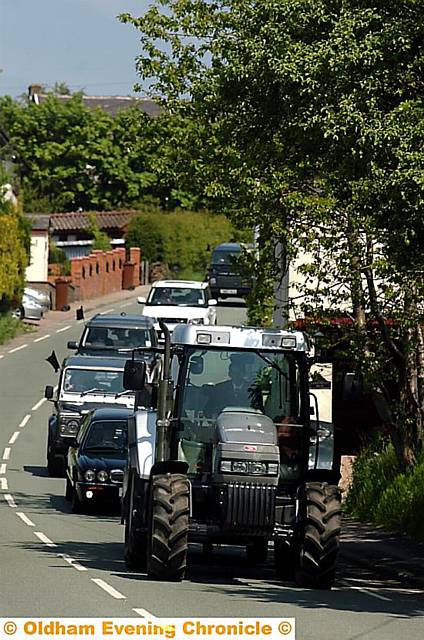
(388, 553)
(116, 298)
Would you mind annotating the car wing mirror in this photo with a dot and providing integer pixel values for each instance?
(72, 344)
(49, 392)
(141, 300)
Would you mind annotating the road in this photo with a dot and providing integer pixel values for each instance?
(55, 563)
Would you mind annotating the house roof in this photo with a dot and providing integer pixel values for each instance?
(39, 222)
(109, 104)
(77, 221)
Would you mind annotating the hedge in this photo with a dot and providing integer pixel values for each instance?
(384, 494)
(183, 239)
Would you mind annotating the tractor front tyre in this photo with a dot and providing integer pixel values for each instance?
(135, 542)
(169, 515)
(320, 539)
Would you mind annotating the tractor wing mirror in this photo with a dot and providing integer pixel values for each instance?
(134, 375)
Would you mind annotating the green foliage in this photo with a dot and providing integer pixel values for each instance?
(383, 494)
(101, 240)
(183, 239)
(14, 251)
(56, 255)
(11, 327)
(307, 121)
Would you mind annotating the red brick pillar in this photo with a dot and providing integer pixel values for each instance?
(135, 258)
(76, 275)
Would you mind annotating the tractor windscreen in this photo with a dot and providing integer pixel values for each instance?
(216, 380)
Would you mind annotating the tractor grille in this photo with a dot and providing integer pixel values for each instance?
(250, 505)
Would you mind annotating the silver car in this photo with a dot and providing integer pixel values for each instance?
(30, 309)
(42, 297)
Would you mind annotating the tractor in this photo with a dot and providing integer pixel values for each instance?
(234, 446)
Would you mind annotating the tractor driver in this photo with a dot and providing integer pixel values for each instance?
(237, 391)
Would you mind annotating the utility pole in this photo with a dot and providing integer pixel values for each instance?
(280, 316)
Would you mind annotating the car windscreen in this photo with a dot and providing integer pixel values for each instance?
(116, 338)
(98, 380)
(106, 435)
(177, 296)
(225, 257)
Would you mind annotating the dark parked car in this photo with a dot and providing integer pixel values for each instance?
(97, 459)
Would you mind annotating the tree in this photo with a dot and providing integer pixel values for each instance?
(309, 117)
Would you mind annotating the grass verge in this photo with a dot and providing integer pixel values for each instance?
(11, 327)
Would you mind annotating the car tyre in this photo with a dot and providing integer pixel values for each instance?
(68, 490)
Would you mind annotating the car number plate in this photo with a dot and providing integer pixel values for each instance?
(229, 291)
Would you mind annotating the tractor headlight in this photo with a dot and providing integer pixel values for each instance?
(212, 280)
(89, 475)
(240, 467)
(257, 468)
(198, 321)
(226, 466)
(273, 468)
(102, 476)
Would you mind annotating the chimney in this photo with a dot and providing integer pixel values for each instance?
(34, 91)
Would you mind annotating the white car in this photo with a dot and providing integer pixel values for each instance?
(180, 301)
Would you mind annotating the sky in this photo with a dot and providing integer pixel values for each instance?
(78, 42)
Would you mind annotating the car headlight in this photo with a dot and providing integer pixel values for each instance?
(69, 427)
(197, 321)
(89, 475)
(102, 476)
(250, 467)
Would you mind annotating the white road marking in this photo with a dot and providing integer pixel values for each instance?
(68, 326)
(3, 469)
(2, 356)
(368, 592)
(43, 338)
(109, 310)
(38, 404)
(25, 519)
(14, 437)
(24, 421)
(18, 348)
(110, 590)
(3, 484)
(44, 539)
(144, 613)
(122, 306)
(6, 453)
(10, 500)
(76, 565)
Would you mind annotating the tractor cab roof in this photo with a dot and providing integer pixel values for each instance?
(245, 338)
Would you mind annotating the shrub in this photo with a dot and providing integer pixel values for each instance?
(183, 239)
(381, 493)
(373, 472)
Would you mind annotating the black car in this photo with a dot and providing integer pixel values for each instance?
(97, 459)
(113, 335)
(225, 275)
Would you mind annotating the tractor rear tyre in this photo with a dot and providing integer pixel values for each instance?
(168, 540)
(320, 536)
(135, 542)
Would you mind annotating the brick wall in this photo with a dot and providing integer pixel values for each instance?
(99, 273)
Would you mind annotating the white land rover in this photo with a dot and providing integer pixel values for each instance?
(180, 302)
